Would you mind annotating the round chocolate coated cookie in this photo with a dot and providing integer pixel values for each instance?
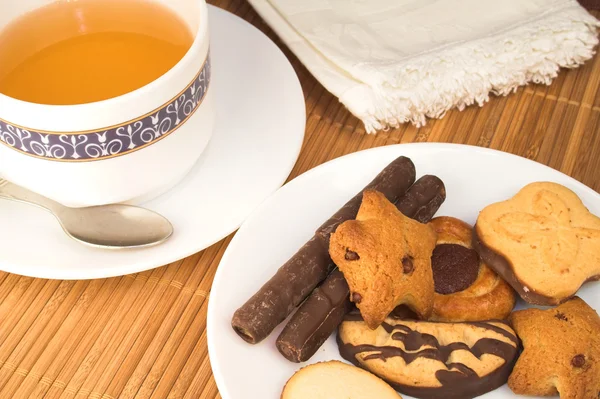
(466, 289)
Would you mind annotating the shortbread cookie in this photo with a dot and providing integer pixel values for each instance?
(432, 360)
(466, 288)
(336, 380)
(386, 259)
(543, 242)
(561, 352)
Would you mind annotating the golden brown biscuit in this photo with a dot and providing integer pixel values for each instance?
(432, 360)
(561, 352)
(336, 380)
(543, 242)
(466, 288)
(386, 259)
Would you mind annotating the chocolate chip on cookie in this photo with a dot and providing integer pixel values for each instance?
(351, 255)
(561, 316)
(578, 361)
(407, 265)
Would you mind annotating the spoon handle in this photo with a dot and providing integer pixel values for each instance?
(17, 193)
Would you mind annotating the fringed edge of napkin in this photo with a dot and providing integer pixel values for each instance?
(430, 85)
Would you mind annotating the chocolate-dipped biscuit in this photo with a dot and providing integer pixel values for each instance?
(432, 360)
(298, 277)
(317, 317)
(543, 241)
(503, 268)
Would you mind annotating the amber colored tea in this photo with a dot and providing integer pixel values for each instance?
(82, 51)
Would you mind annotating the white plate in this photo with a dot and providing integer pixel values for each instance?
(474, 177)
(257, 140)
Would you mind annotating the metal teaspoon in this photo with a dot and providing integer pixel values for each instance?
(106, 226)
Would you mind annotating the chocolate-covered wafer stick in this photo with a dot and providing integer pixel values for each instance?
(299, 276)
(324, 309)
(283, 292)
(318, 314)
(400, 173)
(423, 199)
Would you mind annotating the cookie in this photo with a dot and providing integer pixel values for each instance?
(336, 380)
(466, 289)
(386, 259)
(543, 242)
(561, 352)
(432, 360)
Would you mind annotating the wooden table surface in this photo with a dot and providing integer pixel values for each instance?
(144, 335)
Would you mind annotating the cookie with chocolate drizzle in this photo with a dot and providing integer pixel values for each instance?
(432, 360)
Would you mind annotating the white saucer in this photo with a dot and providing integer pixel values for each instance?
(257, 140)
(474, 177)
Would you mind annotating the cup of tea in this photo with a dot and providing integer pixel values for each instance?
(103, 101)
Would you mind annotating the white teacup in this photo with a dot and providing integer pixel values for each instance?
(124, 149)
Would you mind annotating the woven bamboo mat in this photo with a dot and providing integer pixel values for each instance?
(144, 335)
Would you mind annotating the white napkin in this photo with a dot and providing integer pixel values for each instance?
(393, 61)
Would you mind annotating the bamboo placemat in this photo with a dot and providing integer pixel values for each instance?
(144, 335)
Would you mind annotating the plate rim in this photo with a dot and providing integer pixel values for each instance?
(210, 317)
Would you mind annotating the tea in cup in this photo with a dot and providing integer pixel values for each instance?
(103, 101)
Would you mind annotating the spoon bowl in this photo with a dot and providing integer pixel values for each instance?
(114, 226)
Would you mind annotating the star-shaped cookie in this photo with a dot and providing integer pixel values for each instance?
(386, 260)
(561, 352)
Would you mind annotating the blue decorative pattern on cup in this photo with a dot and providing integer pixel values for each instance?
(114, 141)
